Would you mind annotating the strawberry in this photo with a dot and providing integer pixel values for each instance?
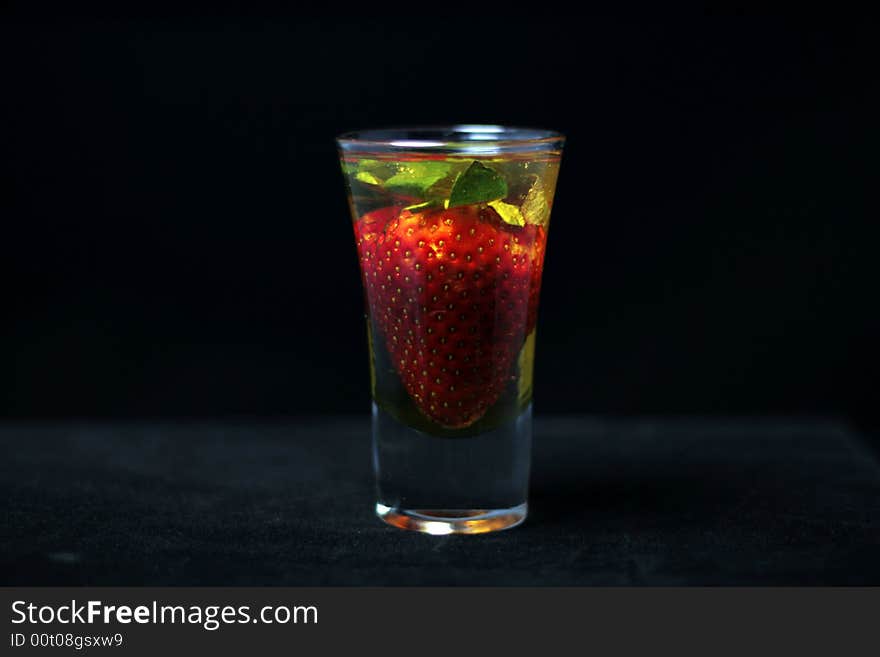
(454, 293)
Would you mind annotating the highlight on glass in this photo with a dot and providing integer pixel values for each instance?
(451, 228)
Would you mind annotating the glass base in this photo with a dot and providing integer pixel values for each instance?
(467, 485)
(453, 521)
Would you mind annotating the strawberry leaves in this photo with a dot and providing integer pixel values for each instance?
(435, 184)
(417, 178)
(508, 212)
(478, 184)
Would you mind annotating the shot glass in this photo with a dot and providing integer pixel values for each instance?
(451, 230)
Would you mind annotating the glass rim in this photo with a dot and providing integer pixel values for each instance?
(463, 138)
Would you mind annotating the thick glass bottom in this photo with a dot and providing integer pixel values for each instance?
(441, 485)
(453, 521)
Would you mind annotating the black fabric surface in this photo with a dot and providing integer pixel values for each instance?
(618, 502)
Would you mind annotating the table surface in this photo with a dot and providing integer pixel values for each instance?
(614, 502)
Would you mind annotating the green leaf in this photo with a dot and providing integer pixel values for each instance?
(417, 177)
(366, 177)
(371, 165)
(421, 206)
(365, 170)
(535, 208)
(478, 184)
(509, 213)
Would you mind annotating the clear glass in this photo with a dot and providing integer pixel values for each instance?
(451, 230)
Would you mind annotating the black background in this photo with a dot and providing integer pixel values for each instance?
(176, 239)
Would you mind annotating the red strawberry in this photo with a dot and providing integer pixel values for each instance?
(455, 293)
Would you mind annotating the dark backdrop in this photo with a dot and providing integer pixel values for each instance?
(176, 240)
